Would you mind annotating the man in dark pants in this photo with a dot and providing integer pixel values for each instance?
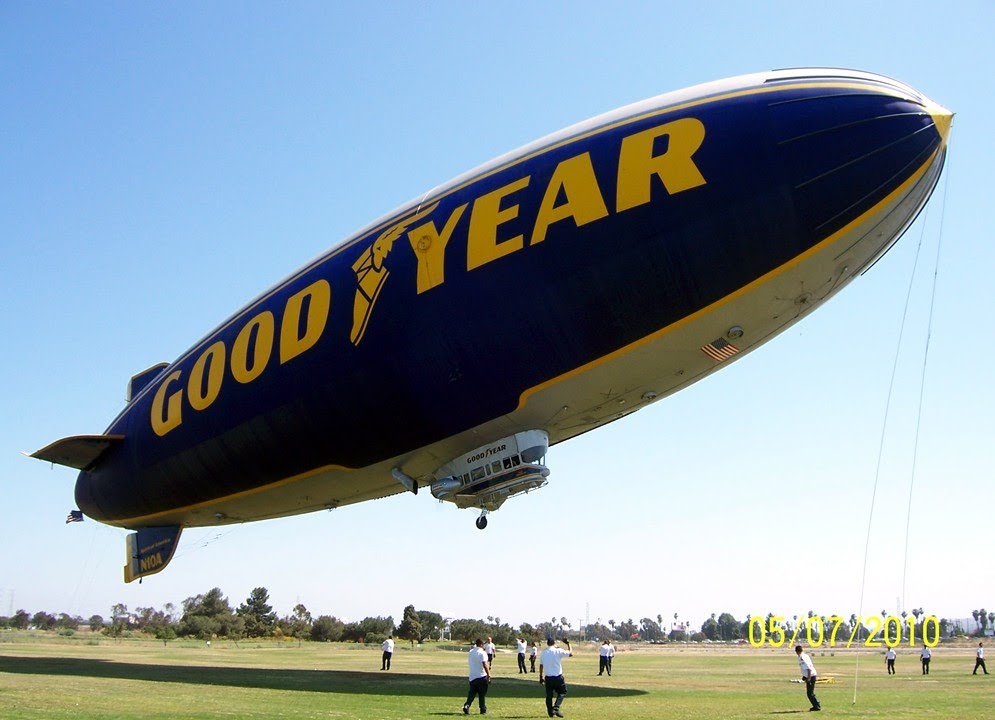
(388, 652)
(925, 655)
(521, 647)
(480, 677)
(808, 677)
(980, 662)
(549, 664)
(603, 655)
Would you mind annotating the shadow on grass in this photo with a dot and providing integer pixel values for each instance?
(330, 681)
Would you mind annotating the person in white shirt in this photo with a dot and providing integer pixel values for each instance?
(551, 675)
(603, 655)
(980, 661)
(480, 677)
(521, 647)
(890, 660)
(808, 677)
(388, 651)
(533, 653)
(925, 656)
(490, 649)
(611, 655)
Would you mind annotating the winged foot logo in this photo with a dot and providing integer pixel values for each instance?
(572, 192)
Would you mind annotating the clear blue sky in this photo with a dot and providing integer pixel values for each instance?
(162, 164)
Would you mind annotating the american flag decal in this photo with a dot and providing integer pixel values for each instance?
(720, 349)
(74, 516)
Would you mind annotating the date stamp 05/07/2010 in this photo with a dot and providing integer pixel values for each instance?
(834, 631)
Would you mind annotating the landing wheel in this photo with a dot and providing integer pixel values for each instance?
(481, 522)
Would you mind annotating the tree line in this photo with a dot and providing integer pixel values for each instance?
(210, 615)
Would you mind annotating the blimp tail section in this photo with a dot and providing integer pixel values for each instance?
(149, 550)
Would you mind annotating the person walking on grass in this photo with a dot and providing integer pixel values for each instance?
(980, 660)
(808, 677)
(603, 656)
(551, 675)
(480, 677)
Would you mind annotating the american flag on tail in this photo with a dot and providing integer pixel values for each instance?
(719, 349)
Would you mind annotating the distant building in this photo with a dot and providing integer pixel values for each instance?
(969, 626)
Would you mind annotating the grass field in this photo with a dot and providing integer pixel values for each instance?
(50, 677)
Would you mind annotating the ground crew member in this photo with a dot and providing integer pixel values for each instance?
(480, 677)
(551, 674)
(808, 677)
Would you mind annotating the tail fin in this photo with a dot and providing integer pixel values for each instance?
(80, 451)
(150, 550)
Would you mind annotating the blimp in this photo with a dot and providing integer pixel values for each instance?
(560, 287)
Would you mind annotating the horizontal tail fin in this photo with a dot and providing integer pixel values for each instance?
(80, 451)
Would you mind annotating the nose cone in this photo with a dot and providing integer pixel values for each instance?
(942, 119)
(850, 147)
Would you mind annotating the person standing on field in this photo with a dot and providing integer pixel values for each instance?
(890, 660)
(490, 649)
(533, 653)
(521, 647)
(980, 661)
(603, 657)
(480, 677)
(388, 652)
(551, 675)
(808, 677)
(925, 656)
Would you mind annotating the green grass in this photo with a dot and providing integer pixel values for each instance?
(51, 677)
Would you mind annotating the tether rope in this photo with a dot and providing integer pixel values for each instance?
(884, 425)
